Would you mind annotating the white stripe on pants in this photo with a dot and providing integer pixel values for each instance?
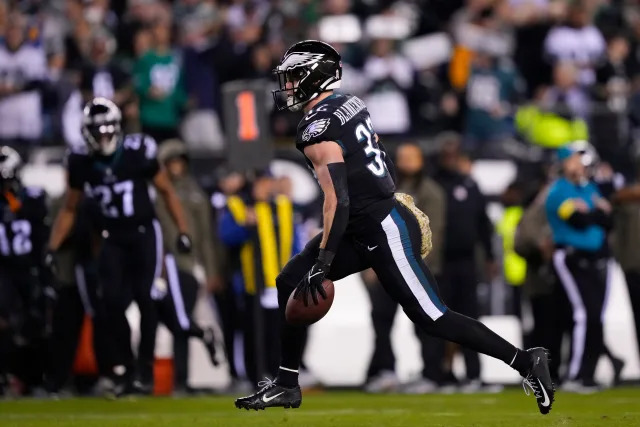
(159, 246)
(176, 292)
(397, 250)
(579, 335)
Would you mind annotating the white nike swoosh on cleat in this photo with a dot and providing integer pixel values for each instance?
(371, 248)
(546, 402)
(266, 399)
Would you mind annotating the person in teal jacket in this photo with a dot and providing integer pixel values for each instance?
(160, 86)
(579, 218)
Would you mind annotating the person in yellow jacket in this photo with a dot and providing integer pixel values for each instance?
(262, 229)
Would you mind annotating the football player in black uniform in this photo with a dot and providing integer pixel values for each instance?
(365, 225)
(23, 278)
(116, 170)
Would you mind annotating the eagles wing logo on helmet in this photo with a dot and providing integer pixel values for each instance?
(315, 128)
(299, 59)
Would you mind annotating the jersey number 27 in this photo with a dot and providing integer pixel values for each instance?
(365, 134)
(108, 205)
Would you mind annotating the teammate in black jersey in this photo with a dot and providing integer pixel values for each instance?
(23, 278)
(116, 170)
(365, 225)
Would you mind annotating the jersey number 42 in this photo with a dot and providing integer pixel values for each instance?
(21, 242)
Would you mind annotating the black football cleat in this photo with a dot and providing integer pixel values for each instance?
(271, 395)
(539, 379)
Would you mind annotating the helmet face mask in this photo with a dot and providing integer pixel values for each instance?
(101, 126)
(307, 69)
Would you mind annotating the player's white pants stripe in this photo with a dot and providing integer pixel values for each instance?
(579, 312)
(394, 240)
(82, 289)
(176, 293)
(159, 246)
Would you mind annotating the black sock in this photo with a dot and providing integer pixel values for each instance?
(287, 377)
(521, 362)
(292, 339)
(474, 335)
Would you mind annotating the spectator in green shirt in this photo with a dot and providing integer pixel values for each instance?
(160, 87)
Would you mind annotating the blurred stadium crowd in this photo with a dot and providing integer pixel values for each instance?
(446, 83)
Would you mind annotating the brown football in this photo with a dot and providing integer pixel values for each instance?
(296, 312)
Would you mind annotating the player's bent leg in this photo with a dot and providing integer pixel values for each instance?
(285, 391)
(407, 279)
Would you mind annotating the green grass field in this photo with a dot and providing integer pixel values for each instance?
(620, 407)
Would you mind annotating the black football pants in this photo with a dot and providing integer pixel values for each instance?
(392, 248)
(129, 262)
(584, 279)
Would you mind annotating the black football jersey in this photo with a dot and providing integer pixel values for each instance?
(23, 230)
(345, 120)
(119, 183)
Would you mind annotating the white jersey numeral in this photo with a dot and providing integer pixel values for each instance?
(364, 133)
(105, 195)
(21, 243)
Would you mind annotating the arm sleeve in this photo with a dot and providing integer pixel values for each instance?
(338, 172)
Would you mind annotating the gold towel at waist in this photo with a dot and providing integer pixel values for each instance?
(407, 201)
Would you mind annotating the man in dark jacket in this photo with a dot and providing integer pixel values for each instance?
(467, 227)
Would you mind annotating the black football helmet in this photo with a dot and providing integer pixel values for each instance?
(311, 67)
(10, 165)
(102, 126)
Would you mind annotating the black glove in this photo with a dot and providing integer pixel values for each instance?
(183, 243)
(311, 283)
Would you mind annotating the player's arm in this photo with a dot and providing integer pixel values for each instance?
(331, 171)
(65, 219)
(163, 185)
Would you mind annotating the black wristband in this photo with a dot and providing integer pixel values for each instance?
(326, 257)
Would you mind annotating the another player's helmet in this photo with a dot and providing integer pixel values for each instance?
(101, 126)
(10, 165)
(311, 67)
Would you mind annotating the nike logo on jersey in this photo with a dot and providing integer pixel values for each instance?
(266, 399)
(369, 248)
(546, 401)
(308, 117)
